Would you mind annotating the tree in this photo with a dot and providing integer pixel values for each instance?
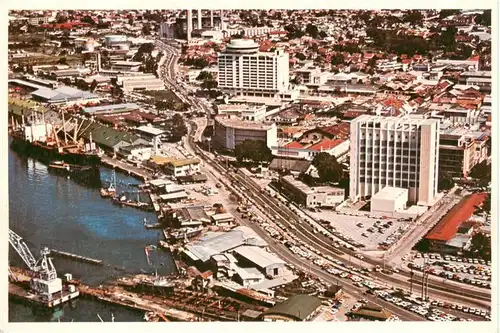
(177, 128)
(87, 19)
(300, 56)
(329, 169)
(93, 85)
(481, 172)
(209, 84)
(338, 59)
(444, 13)
(484, 18)
(481, 246)
(62, 61)
(445, 182)
(253, 150)
(312, 30)
(205, 76)
(413, 17)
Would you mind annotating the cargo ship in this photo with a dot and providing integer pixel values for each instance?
(40, 140)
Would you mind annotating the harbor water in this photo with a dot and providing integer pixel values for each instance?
(62, 214)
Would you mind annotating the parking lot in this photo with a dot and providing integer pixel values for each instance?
(370, 232)
(475, 272)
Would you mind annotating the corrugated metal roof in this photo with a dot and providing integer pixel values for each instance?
(258, 256)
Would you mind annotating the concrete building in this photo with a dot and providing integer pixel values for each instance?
(140, 82)
(397, 152)
(296, 308)
(167, 30)
(320, 196)
(231, 131)
(389, 200)
(253, 112)
(268, 264)
(126, 66)
(243, 70)
(183, 167)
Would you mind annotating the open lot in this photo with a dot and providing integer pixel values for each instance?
(362, 229)
(160, 95)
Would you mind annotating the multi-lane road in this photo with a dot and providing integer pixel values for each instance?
(302, 229)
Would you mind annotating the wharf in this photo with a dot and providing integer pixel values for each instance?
(20, 293)
(140, 173)
(77, 257)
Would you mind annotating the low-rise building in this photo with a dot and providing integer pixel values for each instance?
(445, 236)
(267, 263)
(295, 308)
(140, 82)
(126, 66)
(389, 200)
(320, 196)
(252, 112)
(182, 167)
(231, 131)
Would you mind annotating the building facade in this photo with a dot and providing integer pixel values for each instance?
(231, 131)
(395, 152)
(245, 71)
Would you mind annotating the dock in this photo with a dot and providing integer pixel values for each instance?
(22, 294)
(139, 173)
(77, 257)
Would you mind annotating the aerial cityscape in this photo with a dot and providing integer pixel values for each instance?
(249, 165)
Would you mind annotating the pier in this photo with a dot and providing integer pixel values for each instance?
(139, 173)
(77, 257)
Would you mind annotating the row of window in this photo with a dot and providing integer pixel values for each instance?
(390, 182)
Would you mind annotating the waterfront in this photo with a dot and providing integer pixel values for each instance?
(53, 211)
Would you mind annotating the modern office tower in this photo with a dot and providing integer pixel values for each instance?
(189, 24)
(396, 152)
(245, 71)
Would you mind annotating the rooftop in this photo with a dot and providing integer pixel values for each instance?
(390, 192)
(258, 256)
(446, 229)
(297, 307)
(326, 144)
(150, 130)
(243, 124)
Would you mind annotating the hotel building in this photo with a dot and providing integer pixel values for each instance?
(245, 71)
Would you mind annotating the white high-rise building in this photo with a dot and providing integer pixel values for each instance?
(394, 152)
(245, 71)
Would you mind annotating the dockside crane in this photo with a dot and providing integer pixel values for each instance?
(45, 281)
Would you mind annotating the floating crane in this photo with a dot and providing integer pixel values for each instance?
(45, 281)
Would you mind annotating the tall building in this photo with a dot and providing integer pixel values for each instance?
(231, 131)
(395, 152)
(189, 18)
(245, 71)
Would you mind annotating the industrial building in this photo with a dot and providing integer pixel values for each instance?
(182, 167)
(447, 236)
(389, 200)
(64, 95)
(253, 112)
(397, 152)
(319, 196)
(245, 71)
(267, 263)
(231, 131)
(140, 82)
(295, 308)
(110, 109)
(126, 66)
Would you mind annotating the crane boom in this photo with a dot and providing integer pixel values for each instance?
(22, 249)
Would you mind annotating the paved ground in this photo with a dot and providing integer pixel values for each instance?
(347, 225)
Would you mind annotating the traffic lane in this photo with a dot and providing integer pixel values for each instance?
(350, 290)
(396, 280)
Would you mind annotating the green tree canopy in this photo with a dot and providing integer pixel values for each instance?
(329, 169)
(253, 150)
(445, 182)
(481, 246)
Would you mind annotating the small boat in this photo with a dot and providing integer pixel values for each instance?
(109, 192)
(70, 169)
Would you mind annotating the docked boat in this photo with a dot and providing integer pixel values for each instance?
(40, 140)
(184, 233)
(62, 167)
(110, 191)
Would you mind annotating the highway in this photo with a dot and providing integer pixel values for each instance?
(302, 230)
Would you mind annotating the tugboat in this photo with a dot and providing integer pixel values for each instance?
(110, 192)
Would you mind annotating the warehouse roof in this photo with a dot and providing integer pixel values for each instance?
(223, 242)
(258, 256)
(372, 311)
(446, 229)
(390, 193)
(106, 136)
(297, 307)
(150, 130)
(62, 93)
